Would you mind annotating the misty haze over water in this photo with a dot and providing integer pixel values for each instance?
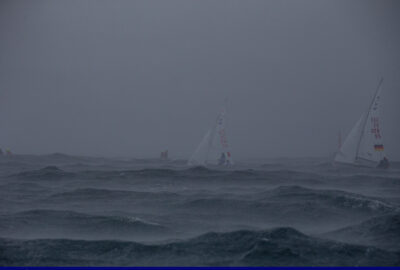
(131, 78)
(92, 91)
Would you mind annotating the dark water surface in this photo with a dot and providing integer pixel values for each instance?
(63, 210)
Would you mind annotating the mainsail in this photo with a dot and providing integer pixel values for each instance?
(214, 148)
(199, 156)
(364, 146)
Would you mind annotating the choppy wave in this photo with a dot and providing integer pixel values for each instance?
(54, 172)
(277, 247)
(47, 173)
(21, 186)
(65, 210)
(288, 204)
(333, 198)
(283, 205)
(382, 231)
(203, 173)
(109, 195)
(68, 224)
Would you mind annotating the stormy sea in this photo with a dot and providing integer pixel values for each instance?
(60, 210)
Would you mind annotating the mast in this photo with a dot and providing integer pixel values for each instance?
(367, 116)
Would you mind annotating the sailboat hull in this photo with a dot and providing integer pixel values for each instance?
(366, 163)
(357, 164)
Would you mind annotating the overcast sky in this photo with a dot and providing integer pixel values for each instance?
(131, 78)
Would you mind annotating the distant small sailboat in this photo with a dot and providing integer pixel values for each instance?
(214, 148)
(6, 153)
(164, 155)
(364, 146)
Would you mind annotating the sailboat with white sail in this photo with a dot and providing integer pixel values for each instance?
(214, 148)
(364, 145)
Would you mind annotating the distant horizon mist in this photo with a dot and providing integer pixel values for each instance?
(133, 78)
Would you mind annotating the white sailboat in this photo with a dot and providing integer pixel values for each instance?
(364, 146)
(214, 148)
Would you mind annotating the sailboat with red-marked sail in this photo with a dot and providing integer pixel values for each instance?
(214, 148)
(364, 144)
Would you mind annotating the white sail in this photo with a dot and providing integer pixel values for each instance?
(219, 153)
(214, 148)
(199, 156)
(348, 151)
(363, 145)
(370, 148)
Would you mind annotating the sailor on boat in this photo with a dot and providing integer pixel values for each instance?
(384, 163)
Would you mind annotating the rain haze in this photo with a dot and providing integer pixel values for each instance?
(199, 133)
(131, 78)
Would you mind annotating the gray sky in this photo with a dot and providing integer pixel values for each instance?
(131, 78)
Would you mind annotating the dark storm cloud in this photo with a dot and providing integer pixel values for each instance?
(134, 77)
